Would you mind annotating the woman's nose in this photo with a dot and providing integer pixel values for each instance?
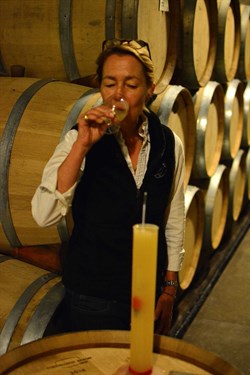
(119, 92)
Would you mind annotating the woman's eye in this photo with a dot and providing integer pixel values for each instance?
(131, 86)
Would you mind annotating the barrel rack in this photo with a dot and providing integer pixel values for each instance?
(192, 300)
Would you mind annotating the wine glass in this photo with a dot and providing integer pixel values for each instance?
(120, 107)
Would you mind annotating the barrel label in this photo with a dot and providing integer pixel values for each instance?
(164, 6)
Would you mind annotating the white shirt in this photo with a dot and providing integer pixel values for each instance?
(49, 206)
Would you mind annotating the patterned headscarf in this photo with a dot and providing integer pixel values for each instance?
(139, 48)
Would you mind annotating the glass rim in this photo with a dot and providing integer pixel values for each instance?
(146, 225)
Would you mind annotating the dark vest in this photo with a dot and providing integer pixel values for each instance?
(106, 205)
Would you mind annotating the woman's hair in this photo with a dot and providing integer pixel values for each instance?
(138, 49)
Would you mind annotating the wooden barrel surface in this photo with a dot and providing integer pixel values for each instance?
(62, 39)
(228, 41)
(209, 115)
(247, 188)
(197, 52)
(243, 71)
(175, 109)
(245, 141)
(233, 119)
(103, 352)
(48, 257)
(216, 201)
(34, 114)
(216, 208)
(194, 228)
(237, 185)
(246, 198)
(29, 296)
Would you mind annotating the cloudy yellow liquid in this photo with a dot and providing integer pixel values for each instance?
(145, 239)
(120, 114)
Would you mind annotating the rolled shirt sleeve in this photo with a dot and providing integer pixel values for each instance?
(175, 213)
(48, 205)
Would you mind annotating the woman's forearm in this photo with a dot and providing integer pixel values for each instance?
(68, 172)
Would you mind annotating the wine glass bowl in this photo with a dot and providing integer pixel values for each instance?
(120, 107)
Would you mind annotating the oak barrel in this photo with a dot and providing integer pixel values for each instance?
(245, 141)
(216, 208)
(104, 352)
(197, 51)
(228, 41)
(233, 119)
(194, 231)
(175, 109)
(246, 198)
(247, 188)
(62, 39)
(34, 114)
(216, 197)
(209, 115)
(237, 185)
(246, 2)
(48, 257)
(243, 71)
(29, 296)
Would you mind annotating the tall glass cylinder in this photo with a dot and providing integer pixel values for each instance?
(145, 245)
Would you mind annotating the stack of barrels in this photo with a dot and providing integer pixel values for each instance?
(207, 104)
(200, 49)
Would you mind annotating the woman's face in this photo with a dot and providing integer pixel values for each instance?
(123, 76)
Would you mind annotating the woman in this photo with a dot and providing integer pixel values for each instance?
(105, 177)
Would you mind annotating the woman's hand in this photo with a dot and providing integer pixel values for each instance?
(91, 127)
(93, 124)
(164, 313)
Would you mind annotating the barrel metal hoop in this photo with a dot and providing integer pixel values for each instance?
(43, 313)
(167, 103)
(221, 172)
(129, 19)
(75, 111)
(69, 123)
(6, 144)
(201, 124)
(66, 40)
(19, 308)
(189, 74)
(110, 19)
(233, 92)
(220, 66)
